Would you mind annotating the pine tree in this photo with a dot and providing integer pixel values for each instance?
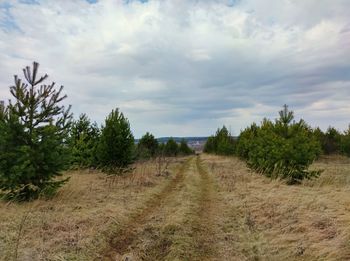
(332, 140)
(184, 149)
(345, 142)
(33, 137)
(116, 145)
(221, 143)
(147, 146)
(171, 148)
(210, 145)
(84, 137)
(286, 117)
(281, 149)
(2, 106)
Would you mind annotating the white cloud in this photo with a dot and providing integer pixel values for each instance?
(186, 67)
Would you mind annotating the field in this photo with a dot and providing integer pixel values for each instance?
(206, 208)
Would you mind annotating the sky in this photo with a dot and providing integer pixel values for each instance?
(186, 67)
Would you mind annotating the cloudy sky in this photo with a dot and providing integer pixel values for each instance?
(185, 67)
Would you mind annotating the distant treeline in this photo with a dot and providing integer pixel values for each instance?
(85, 139)
(179, 139)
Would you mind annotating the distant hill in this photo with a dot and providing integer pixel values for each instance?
(196, 143)
(178, 139)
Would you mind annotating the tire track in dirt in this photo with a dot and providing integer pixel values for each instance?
(204, 232)
(196, 237)
(126, 235)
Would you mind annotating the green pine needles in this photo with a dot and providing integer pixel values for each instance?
(281, 149)
(33, 138)
(115, 150)
(84, 138)
(222, 143)
(147, 146)
(184, 149)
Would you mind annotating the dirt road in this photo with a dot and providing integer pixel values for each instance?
(176, 224)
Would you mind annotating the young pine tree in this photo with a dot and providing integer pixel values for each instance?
(171, 148)
(116, 144)
(221, 143)
(147, 146)
(33, 137)
(345, 142)
(281, 149)
(332, 141)
(84, 137)
(184, 149)
(210, 146)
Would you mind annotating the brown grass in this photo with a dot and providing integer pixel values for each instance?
(265, 219)
(194, 233)
(180, 227)
(123, 237)
(208, 208)
(77, 222)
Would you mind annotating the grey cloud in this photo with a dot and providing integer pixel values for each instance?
(187, 67)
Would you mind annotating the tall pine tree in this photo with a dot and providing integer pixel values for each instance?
(33, 136)
(116, 144)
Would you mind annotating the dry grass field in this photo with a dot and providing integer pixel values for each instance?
(76, 223)
(208, 208)
(267, 220)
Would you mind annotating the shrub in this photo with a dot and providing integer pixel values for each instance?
(147, 146)
(281, 149)
(171, 148)
(184, 149)
(209, 146)
(331, 141)
(161, 149)
(345, 143)
(33, 138)
(116, 145)
(84, 137)
(221, 143)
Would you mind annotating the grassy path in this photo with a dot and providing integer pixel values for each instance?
(127, 233)
(177, 224)
(208, 207)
